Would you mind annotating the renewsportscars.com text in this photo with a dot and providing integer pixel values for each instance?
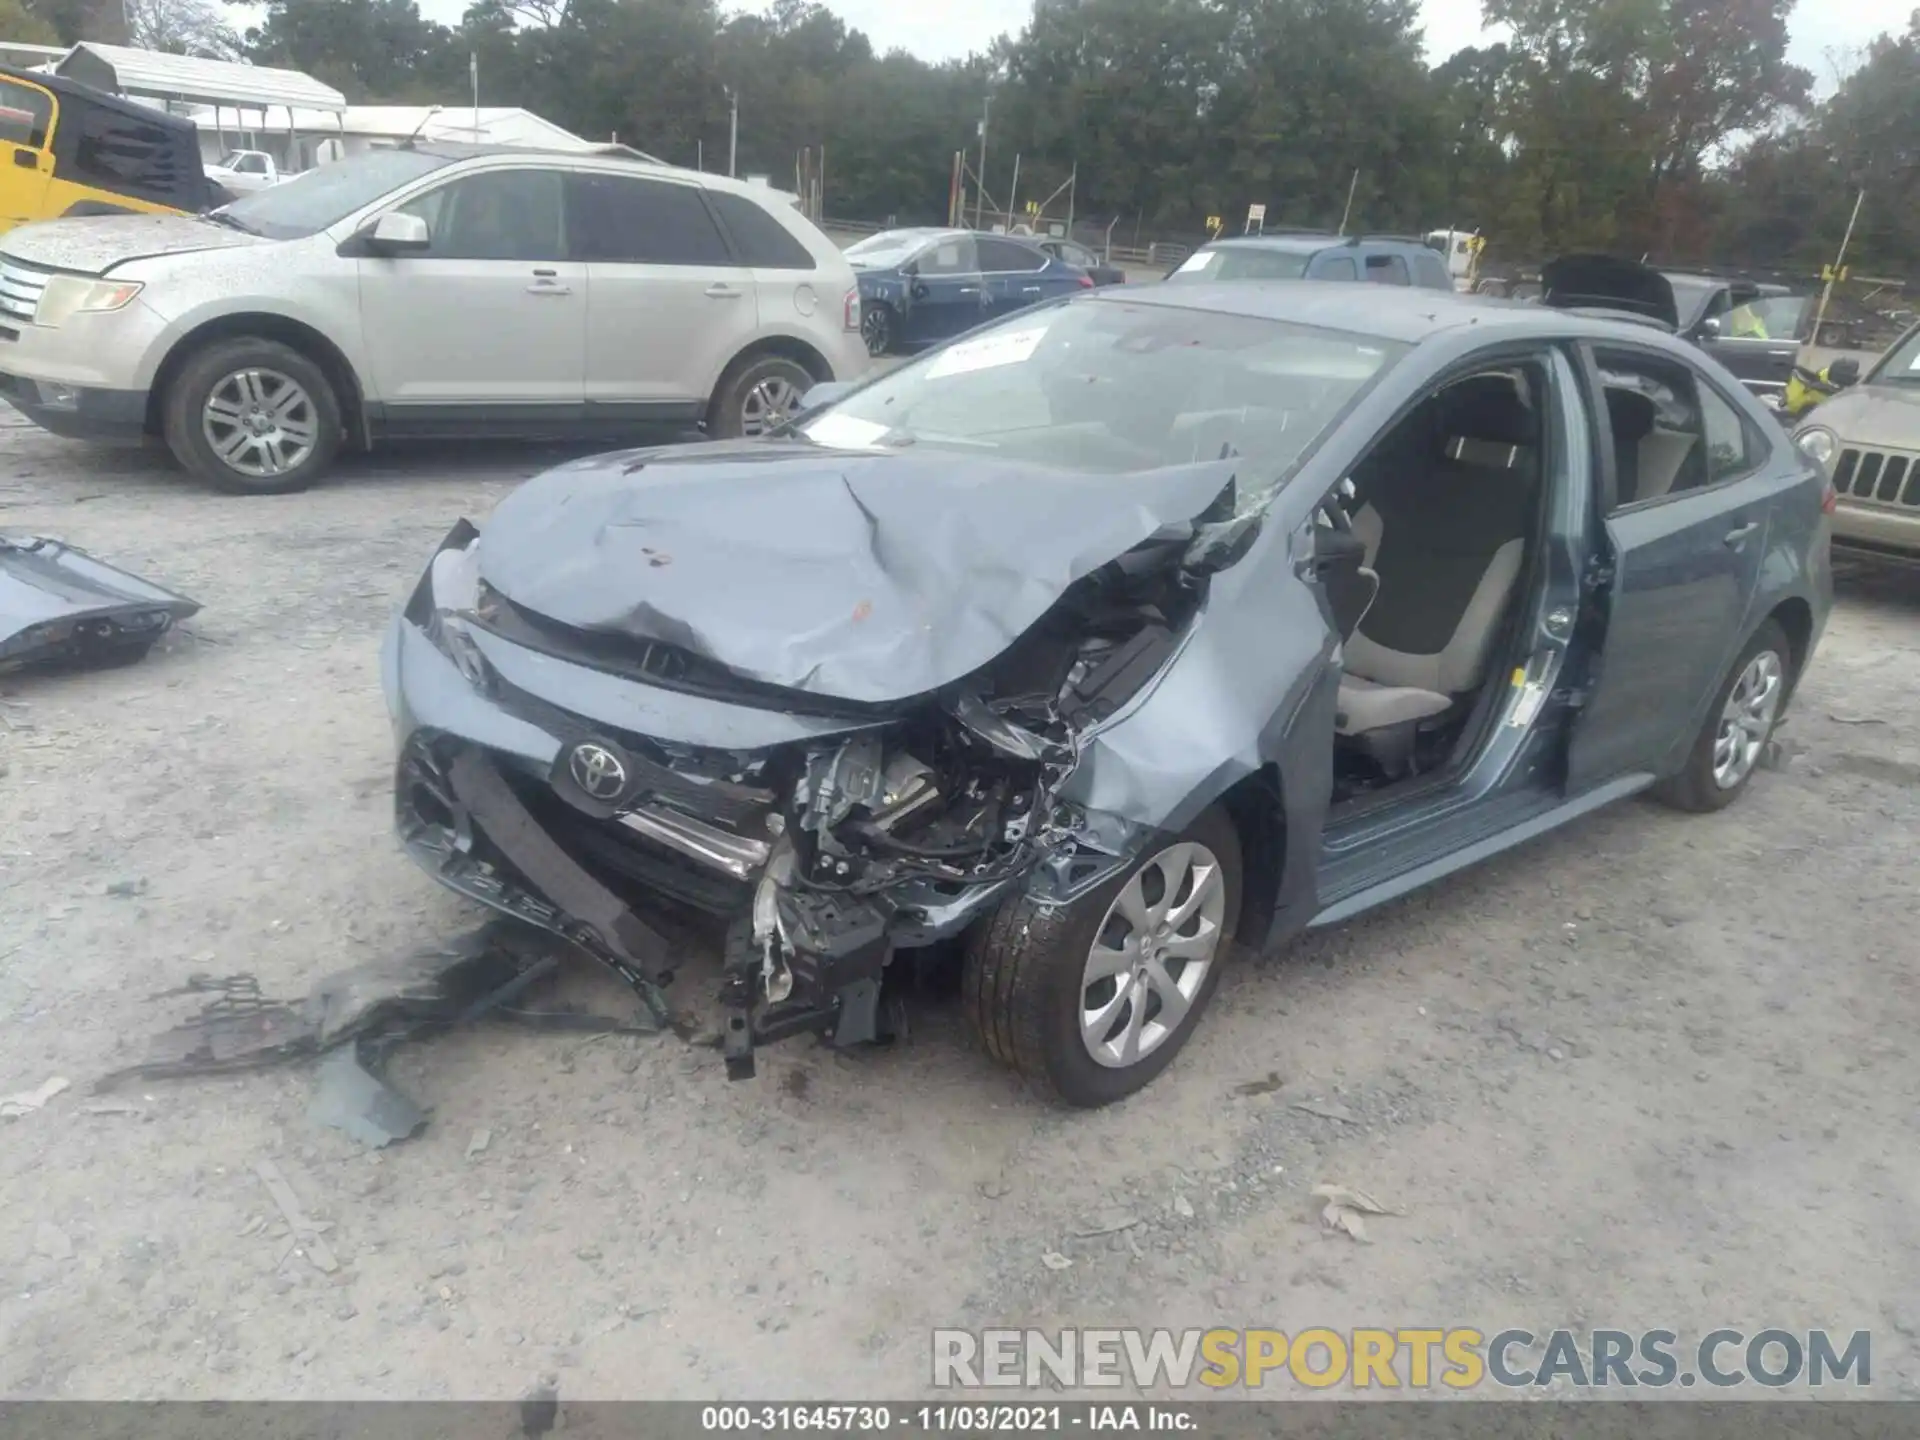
(1460, 1358)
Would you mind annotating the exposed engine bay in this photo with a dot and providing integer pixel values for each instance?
(897, 828)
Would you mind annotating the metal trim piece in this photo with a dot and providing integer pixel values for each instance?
(737, 855)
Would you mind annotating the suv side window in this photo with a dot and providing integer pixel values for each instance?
(1002, 257)
(760, 241)
(1388, 270)
(251, 165)
(642, 222)
(1334, 267)
(1672, 431)
(949, 257)
(495, 215)
(120, 153)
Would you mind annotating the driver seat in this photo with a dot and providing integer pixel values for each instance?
(1447, 539)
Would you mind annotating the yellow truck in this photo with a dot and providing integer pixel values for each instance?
(68, 149)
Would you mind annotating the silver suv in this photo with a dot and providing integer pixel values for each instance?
(428, 290)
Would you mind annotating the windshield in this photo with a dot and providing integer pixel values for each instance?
(884, 252)
(1106, 387)
(327, 194)
(1901, 366)
(1243, 262)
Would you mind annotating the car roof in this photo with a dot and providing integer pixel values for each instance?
(1312, 242)
(1401, 313)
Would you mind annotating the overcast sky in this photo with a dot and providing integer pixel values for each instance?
(942, 29)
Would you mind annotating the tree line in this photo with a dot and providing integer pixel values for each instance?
(1672, 128)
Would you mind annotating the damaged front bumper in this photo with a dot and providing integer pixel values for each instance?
(629, 816)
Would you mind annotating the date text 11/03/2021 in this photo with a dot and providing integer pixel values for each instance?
(962, 1419)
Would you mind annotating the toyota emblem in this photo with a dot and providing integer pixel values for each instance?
(597, 770)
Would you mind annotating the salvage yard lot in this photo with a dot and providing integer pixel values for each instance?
(1654, 1071)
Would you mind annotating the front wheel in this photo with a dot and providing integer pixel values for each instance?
(1091, 1001)
(252, 417)
(1745, 711)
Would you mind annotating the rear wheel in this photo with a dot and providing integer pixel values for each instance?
(253, 417)
(876, 327)
(1091, 1001)
(757, 396)
(1745, 711)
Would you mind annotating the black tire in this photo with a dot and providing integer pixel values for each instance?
(1694, 788)
(877, 326)
(1021, 984)
(726, 417)
(187, 396)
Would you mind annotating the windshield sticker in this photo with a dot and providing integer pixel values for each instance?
(844, 432)
(1003, 347)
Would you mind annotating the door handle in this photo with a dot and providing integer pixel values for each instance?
(549, 287)
(1738, 536)
(969, 290)
(27, 159)
(719, 291)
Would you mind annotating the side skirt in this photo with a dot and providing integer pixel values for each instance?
(1505, 838)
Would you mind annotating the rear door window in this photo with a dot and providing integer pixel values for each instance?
(1388, 270)
(759, 240)
(1001, 257)
(25, 114)
(1334, 267)
(621, 218)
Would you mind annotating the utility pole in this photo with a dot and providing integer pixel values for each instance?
(1839, 261)
(980, 204)
(1347, 214)
(733, 130)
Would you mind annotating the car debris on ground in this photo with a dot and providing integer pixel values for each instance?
(353, 1019)
(12, 1107)
(61, 607)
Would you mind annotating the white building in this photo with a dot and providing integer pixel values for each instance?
(300, 138)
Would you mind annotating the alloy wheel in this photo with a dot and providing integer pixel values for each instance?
(1151, 955)
(874, 329)
(260, 422)
(1746, 720)
(768, 404)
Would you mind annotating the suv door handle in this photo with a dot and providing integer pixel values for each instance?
(1738, 537)
(719, 290)
(547, 282)
(968, 290)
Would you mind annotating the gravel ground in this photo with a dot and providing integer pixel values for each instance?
(1655, 1070)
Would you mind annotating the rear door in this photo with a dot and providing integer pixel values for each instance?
(27, 116)
(1015, 275)
(1684, 502)
(1385, 267)
(488, 325)
(668, 305)
(945, 291)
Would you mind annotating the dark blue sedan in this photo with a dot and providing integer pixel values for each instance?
(919, 287)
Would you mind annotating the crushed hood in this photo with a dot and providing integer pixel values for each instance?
(93, 244)
(1606, 282)
(863, 577)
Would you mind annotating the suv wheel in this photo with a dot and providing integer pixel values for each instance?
(1730, 744)
(876, 327)
(756, 396)
(253, 417)
(1091, 1001)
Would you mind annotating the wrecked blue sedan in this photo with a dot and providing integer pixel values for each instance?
(1102, 639)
